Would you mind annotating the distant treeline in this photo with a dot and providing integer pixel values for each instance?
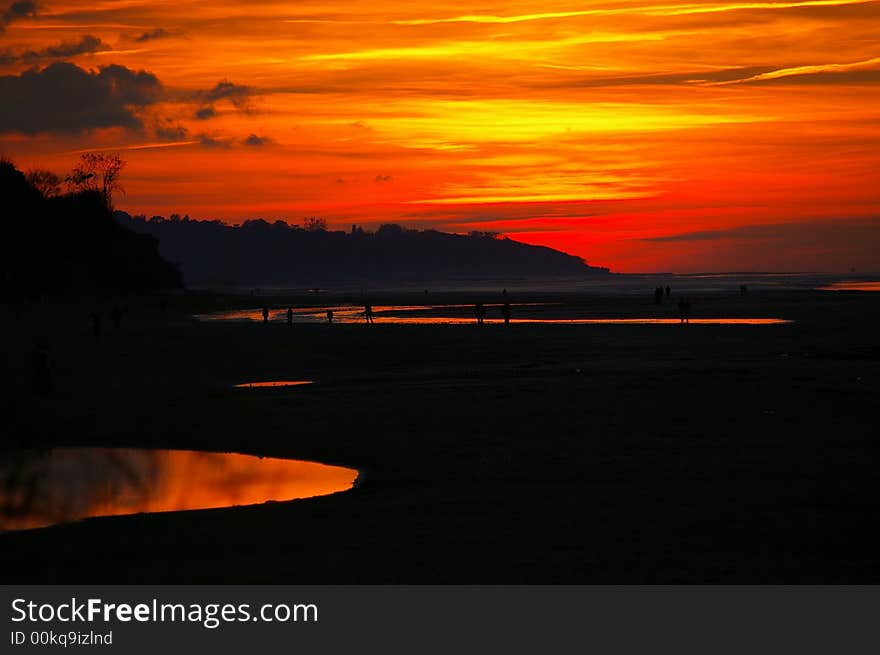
(260, 254)
(69, 244)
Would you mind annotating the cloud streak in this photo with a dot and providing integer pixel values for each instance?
(86, 45)
(646, 10)
(152, 35)
(815, 73)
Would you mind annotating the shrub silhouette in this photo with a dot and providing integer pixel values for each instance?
(71, 245)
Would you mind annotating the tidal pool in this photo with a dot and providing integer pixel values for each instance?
(67, 484)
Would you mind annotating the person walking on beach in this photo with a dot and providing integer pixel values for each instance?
(329, 316)
(265, 313)
(479, 312)
(684, 310)
(290, 315)
(505, 312)
(668, 291)
(368, 312)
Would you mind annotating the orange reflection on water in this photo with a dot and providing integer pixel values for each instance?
(67, 484)
(343, 313)
(852, 286)
(273, 383)
(409, 315)
(591, 321)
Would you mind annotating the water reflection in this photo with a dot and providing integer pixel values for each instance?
(852, 286)
(272, 383)
(67, 484)
(594, 321)
(349, 313)
(456, 315)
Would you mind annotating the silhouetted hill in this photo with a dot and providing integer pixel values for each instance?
(259, 253)
(70, 245)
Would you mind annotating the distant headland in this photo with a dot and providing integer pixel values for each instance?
(263, 254)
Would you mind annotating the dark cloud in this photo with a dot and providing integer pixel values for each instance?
(85, 45)
(237, 94)
(814, 231)
(204, 113)
(168, 130)
(256, 141)
(158, 33)
(65, 98)
(17, 10)
(383, 178)
(208, 141)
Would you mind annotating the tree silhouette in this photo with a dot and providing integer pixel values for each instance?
(46, 182)
(314, 224)
(100, 172)
(69, 245)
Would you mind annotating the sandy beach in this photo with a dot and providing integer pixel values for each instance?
(529, 453)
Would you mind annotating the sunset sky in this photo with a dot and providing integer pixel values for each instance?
(641, 135)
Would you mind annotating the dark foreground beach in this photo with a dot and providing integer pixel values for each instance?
(519, 454)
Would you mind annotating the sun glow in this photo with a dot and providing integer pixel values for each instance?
(639, 135)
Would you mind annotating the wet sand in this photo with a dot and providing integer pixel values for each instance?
(528, 453)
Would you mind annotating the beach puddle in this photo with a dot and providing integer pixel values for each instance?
(273, 384)
(852, 286)
(38, 489)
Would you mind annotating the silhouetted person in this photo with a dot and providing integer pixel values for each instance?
(505, 312)
(290, 315)
(658, 295)
(116, 316)
(265, 314)
(329, 315)
(743, 289)
(368, 312)
(479, 312)
(684, 310)
(504, 292)
(426, 292)
(668, 291)
(96, 325)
